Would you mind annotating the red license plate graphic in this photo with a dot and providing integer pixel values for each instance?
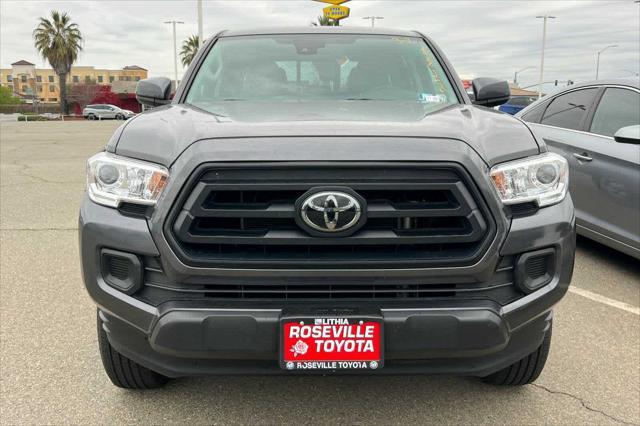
(331, 343)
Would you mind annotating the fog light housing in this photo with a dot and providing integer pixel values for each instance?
(535, 269)
(122, 271)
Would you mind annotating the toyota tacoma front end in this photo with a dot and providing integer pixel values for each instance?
(324, 200)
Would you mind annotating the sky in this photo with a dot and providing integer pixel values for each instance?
(480, 38)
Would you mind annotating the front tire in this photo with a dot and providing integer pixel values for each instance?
(526, 370)
(124, 372)
(91, 117)
(119, 117)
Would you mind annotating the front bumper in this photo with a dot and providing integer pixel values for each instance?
(467, 337)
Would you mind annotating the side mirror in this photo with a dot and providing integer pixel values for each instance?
(629, 134)
(490, 92)
(154, 91)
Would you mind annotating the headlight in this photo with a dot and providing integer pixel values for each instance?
(112, 179)
(543, 179)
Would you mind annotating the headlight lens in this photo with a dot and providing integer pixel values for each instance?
(112, 179)
(543, 179)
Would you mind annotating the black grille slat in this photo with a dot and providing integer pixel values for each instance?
(537, 267)
(118, 267)
(338, 289)
(244, 216)
(300, 238)
(133, 209)
(159, 288)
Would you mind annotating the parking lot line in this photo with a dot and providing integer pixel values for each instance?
(605, 300)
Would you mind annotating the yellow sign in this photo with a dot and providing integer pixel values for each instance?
(334, 2)
(336, 12)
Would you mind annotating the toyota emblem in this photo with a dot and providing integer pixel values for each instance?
(331, 212)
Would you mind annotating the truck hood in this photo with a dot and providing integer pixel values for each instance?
(162, 134)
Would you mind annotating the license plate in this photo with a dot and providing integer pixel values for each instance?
(331, 343)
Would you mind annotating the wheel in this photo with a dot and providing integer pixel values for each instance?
(91, 117)
(124, 372)
(524, 371)
(119, 117)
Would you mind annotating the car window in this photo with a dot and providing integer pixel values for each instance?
(618, 108)
(535, 114)
(521, 100)
(569, 110)
(303, 67)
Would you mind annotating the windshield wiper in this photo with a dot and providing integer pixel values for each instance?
(359, 99)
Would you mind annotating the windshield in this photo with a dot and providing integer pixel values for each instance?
(320, 67)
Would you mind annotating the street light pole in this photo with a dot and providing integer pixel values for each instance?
(544, 42)
(515, 74)
(175, 49)
(200, 36)
(373, 19)
(598, 60)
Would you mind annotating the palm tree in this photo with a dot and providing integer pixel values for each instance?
(59, 41)
(189, 49)
(323, 21)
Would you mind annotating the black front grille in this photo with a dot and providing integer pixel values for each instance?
(243, 216)
(158, 288)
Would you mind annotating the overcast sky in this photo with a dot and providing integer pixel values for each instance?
(481, 38)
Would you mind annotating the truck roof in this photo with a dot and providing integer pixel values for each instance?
(318, 30)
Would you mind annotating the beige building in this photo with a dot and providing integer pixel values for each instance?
(30, 82)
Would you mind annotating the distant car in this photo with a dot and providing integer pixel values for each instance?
(516, 104)
(104, 111)
(596, 127)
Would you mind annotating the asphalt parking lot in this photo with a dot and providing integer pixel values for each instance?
(50, 370)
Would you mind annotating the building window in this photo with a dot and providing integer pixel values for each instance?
(53, 99)
(111, 78)
(99, 79)
(137, 78)
(50, 79)
(39, 78)
(24, 88)
(39, 87)
(9, 78)
(42, 99)
(76, 79)
(128, 78)
(87, 79)
(52, 88)
(23, 78)
(120, 78)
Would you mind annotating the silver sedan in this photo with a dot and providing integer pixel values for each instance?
(596, 127)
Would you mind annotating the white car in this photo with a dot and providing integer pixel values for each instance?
(104, 111)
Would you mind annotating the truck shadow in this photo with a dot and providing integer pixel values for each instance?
(331, 399)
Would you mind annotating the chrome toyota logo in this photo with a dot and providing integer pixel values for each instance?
(330, 211)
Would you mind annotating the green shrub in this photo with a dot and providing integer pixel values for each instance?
(7, 98)
(32, 118)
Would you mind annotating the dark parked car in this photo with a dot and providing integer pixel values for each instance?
(596, 127)
(516, 104)
(325, 200)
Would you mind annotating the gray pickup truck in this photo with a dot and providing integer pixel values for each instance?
(324, 201)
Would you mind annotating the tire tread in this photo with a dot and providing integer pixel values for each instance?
(122, 371)
(526, 370)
